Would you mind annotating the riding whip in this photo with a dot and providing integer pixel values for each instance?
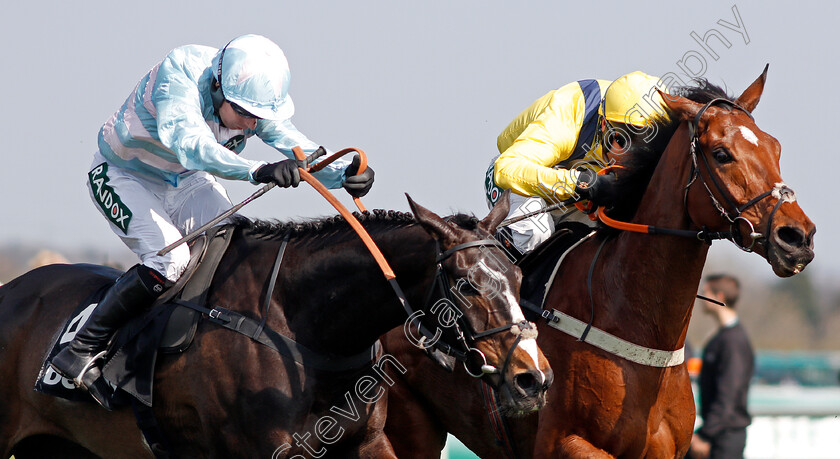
(195, 233)
(555, 206)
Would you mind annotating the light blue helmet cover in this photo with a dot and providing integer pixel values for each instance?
(255, 75)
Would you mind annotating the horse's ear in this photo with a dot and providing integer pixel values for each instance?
(749, 99)
(499, 212)
(433, 224)
(684, 108)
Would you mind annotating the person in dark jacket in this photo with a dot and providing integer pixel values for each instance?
(728, 365)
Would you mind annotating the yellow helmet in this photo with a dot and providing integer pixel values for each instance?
(632, 99)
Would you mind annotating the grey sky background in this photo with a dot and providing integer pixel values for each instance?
(423, 87)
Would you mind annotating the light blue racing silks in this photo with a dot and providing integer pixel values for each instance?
(167, 127)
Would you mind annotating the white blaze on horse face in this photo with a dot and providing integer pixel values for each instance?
(529, 345)
(749, 135)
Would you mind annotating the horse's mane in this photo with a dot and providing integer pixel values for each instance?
(703, 92)
(642, 157)
(328, 229)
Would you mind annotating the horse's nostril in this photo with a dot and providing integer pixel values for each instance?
(549, 379)
(790, 236)
(526, 382)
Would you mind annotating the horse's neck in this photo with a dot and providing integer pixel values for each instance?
(661, 273)
(352, 304)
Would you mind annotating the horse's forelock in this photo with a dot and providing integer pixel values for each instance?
(467, 222)
(703, 92)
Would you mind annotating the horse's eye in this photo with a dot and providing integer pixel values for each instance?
(722, 156)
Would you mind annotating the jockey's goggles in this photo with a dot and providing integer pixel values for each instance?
(241, 111)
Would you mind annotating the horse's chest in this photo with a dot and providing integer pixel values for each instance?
(628, 412)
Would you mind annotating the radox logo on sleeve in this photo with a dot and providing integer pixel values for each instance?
(107, 199)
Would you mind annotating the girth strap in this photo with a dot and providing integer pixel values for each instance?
(286, 346)
(544, 313)
(610, 343)
(617, 346)
(151, 430)
(272, 281)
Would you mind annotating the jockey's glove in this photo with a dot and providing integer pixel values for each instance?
(601, 190)
(357, 185)
(283, 173)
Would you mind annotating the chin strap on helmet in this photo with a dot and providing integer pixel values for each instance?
(216, 95)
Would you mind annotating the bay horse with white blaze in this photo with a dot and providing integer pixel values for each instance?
(230, 396)
(622, 390)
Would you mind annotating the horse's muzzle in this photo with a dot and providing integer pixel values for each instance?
(525, 392)
(790, 250)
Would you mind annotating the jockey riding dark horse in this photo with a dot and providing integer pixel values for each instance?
(153, 177)
(235, 392)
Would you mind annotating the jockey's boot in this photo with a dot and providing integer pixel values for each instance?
(132, 293)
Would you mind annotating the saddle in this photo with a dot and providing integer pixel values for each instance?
(540, 265)
(170, 327)
(167, 327)
(192, 286)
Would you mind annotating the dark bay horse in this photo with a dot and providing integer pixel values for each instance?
(722, 177)
(229, 396)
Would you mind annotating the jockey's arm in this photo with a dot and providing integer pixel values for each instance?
(283, 136)
(182, 128)
(526, 166)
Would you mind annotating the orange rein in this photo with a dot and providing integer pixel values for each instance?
(624, 226)
(333, 157)
(354, 223)
(600, 213)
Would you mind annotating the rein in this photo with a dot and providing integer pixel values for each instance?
(258, 331)
(463, 338)
(654, 357)
(780, 191)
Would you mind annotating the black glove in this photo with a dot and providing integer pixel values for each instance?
(600, 189)
(284, 173)
(357, 185)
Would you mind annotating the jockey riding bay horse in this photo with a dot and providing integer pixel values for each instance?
(231, 396)
(624, 298)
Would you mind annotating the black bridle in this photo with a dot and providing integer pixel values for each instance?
(465, 336)
(781, 191)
